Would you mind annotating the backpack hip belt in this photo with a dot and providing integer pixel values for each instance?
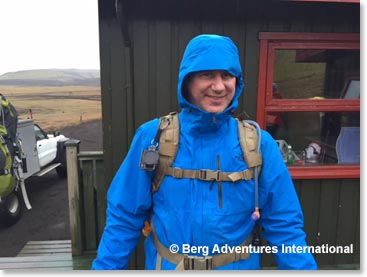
(185, 262)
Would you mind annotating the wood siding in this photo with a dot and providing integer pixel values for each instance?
(140, 55)
(331, 210)
(140, 60)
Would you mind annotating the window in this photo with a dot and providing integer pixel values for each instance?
(40, 135)
(309, 98)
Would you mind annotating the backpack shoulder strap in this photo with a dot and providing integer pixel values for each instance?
(168, 146)
(169, 136)
(249, 140)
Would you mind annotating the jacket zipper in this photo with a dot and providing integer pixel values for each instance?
(214, 120)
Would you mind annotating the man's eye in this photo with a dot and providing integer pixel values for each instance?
(226, 75)
(206, 74)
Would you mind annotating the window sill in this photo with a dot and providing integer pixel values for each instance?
(325, 172)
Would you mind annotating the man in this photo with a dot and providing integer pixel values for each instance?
(195, 220)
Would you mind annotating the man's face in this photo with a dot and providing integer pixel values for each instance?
(212, 90)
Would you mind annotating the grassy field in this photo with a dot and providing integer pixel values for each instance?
(55, 107)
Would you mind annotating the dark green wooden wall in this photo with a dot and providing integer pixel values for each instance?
(331, 210)
(140, 52)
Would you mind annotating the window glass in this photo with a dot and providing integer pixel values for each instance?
(336, 135)
(39, 134)
(316, 74)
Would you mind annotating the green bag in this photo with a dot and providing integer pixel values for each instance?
(7, 180)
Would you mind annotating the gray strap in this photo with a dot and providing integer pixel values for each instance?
(164, 252)
(158, 265)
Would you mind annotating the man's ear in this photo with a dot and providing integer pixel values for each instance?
(185, 86)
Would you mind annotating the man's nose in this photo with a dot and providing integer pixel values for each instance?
(218, 84)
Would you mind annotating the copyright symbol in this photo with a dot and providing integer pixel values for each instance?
(174, 248)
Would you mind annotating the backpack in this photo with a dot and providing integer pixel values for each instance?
(7, 180)
(167, 139)
(168, 135)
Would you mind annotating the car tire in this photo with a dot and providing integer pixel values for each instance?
(11, 209)
(61, 158)
(61, 171)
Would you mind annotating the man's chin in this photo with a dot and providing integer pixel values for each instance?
(215, 110)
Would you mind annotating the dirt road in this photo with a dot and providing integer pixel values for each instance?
(49, 217)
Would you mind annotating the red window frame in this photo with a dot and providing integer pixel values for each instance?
(333, 1)
(269, 42)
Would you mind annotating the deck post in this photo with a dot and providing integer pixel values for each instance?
(72, 150)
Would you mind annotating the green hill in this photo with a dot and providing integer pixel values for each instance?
(52, 77)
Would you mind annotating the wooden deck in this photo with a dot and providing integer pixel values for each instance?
(47, 255)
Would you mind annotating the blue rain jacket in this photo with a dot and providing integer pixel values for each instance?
(186, 212)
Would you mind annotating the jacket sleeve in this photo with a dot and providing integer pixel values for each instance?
(128, 206)
(281, 213)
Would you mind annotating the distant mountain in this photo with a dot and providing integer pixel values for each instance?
(52, 77)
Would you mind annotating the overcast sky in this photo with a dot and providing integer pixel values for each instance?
(40, 34)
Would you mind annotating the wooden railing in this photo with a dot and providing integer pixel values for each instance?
(87, 198)
(87, 203)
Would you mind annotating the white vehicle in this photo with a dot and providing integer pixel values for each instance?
(38, 154)
(43, 152)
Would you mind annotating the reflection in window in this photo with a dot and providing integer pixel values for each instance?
(300, 129)
(316, 73)
(352, 90)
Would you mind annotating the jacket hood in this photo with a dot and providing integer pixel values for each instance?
(210, 52)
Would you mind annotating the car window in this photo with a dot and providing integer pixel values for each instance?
(39, 133)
